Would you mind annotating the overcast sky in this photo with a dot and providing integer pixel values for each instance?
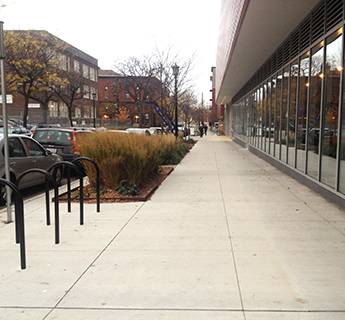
(116, 29)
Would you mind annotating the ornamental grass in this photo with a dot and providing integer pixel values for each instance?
(126, 156)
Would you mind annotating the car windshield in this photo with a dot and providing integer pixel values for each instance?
(55, 137)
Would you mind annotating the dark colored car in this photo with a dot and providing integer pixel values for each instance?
(61, 141)
(25, 153)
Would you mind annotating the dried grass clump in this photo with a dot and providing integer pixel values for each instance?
(122, 156)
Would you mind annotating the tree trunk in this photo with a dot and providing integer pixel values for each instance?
(45, 109)
(26, 110)
(70, 115)
(140, 115)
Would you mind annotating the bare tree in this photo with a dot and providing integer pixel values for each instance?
(137, 80)
(163, 60)
(72, 87)
(150, 79)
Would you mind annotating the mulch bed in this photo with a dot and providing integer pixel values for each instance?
(146, 190)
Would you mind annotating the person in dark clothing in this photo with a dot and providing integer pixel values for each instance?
(201, 130)
(205, 129)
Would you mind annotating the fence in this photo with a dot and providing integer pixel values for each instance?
(36, 116)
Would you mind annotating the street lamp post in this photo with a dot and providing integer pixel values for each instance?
(175, 72)
(94, 109)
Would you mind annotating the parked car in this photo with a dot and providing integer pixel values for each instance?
(45, 125)
(61, 141)
(17, 130)
(139, 131)
(156, 130)
(25, 153)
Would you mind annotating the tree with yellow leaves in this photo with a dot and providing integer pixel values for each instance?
(122, 114)
(32, 63)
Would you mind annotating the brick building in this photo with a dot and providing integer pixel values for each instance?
(116, 91)
(70, 60)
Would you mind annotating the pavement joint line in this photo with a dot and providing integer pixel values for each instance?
(93, 261)
(229, 233)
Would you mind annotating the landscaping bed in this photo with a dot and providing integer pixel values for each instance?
(146, 190)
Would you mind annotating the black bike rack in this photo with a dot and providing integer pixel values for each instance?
(19, 220)
(72, 165)
(56, 200)
(97, 178)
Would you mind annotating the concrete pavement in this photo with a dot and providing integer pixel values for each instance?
(226, 236)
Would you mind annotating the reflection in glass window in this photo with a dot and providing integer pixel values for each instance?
(255, 119)
(302, 111)
(268, 119)
(277, 135)
(284, 131)
(292, 112)
(272, 115)
(264, 117)
(331, 109)
(315, 86)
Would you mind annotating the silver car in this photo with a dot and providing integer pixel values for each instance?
(25, 153)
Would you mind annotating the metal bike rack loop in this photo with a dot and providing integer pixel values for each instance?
(72, 165)
(97, 178)
(56, 200)
(19, 220)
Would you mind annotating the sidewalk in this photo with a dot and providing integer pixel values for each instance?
(226, 236)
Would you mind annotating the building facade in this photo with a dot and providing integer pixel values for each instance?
(124, 94)
(280, 77)
(71, 60)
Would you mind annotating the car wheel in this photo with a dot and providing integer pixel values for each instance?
(57, 175)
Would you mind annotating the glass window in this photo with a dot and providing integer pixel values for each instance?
(292, 112)
(92, 74)
(85, 71)
(76, 66)
(15, 148)
(315, 87)
(302, 111)
(259, 96)
(62, 62)
(342, 144)
(63, 109)
(272, 116)
(264, 117)
(252, 116)
(278, 134)
(53, 109)
(284, 115)
(331, 109)
(256, 118)
(86, 92)
(34, 148)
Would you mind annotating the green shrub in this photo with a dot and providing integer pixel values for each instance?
(173, 154)
(127, 188)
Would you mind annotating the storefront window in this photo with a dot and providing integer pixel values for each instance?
(292, 113)
(331, 109)
(264, 117)
(272, 115)
(256, 121)
(278, 135)
(315, 87)
(284, 139)
(302, 111)
(268, 118)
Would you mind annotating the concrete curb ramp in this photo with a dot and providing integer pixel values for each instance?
(226, 236)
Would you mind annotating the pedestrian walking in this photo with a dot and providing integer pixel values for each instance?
(201, 130)
(205, 129)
